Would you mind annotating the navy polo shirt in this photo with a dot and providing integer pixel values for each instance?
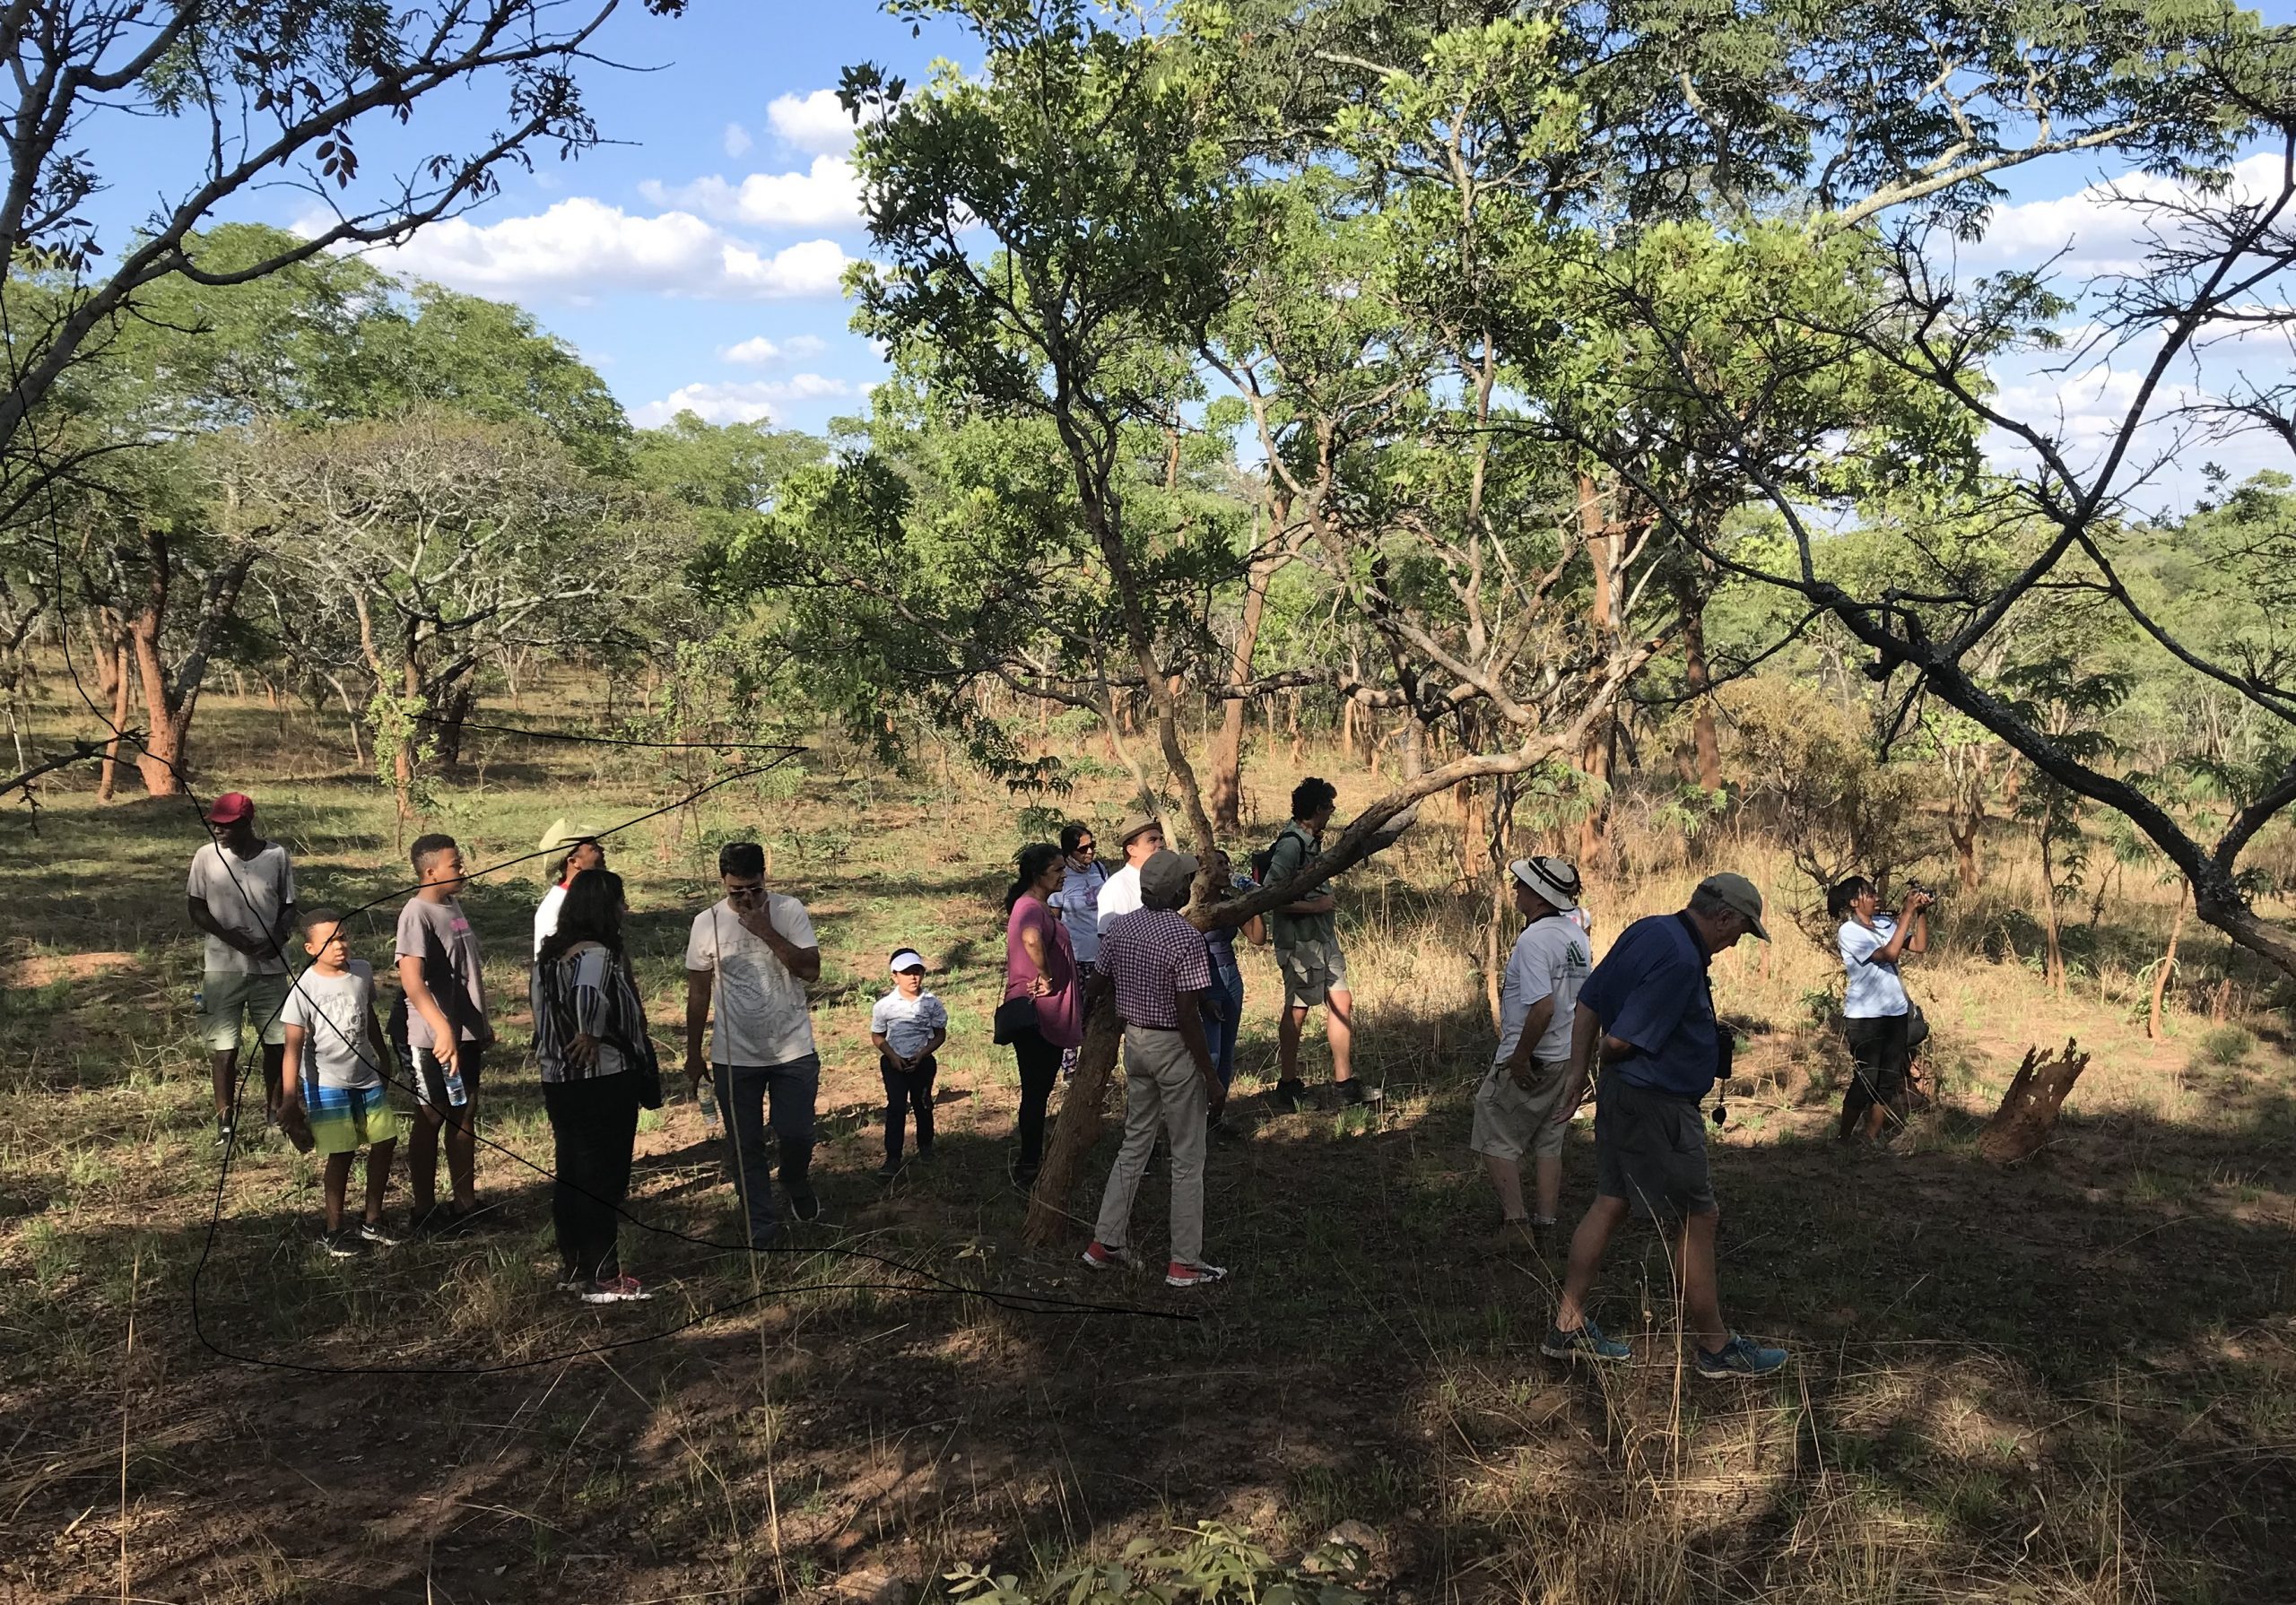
(1651, 990)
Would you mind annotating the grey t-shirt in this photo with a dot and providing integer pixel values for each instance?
(244, 895)
(439, 934)
(333, 1012)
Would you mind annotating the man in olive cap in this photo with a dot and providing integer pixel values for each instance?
(1648, 1007)
(1141, 839)
(1154, 962)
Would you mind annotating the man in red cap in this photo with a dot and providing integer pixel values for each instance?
(242, 895)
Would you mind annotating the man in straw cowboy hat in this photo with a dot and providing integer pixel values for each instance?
(1513, 1106)
(1648, 1010)
(569, 850)
(1141, 839)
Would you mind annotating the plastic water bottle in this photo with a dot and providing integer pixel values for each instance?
(457, 1093)
(706, 1094)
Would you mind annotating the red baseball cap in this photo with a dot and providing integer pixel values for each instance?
(230, 808)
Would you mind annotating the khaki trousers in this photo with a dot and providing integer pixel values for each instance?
(1160, 1081)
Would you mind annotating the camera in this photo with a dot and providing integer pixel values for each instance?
(1923, 888)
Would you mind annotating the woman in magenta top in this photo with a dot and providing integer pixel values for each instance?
(1040, 963)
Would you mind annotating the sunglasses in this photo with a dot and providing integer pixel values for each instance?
(1087, 848)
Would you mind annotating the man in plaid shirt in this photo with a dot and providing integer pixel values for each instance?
(1156, 963)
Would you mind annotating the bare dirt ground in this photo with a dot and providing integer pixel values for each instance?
(2071, 1381)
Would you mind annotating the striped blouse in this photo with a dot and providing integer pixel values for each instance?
(586, 990)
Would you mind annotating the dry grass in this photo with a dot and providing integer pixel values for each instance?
(2074, 1384)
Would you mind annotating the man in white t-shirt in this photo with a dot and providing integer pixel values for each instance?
(753, 953)
(242, 895)
(1141, 840)
(1515, 1106)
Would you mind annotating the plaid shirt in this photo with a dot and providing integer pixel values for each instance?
(1153, 954)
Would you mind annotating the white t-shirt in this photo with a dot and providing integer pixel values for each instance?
(908, 1024)
(760, 1015)
(245, 895)
(1872, 990)
(546, 916)
(1120, 897)
(1549, 959)
(333, 1012)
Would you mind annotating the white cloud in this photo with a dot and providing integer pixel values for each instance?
(759, 351)
(737, 140)
(814, 123)
(749, 402)
(580, 248)
(826, 195)
(2103, 228)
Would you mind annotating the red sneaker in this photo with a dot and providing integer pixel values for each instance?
(1181, 1274)
(1099, 1256)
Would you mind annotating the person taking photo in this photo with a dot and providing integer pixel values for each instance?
(1876, 1013)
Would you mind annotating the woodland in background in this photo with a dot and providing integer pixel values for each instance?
(1533, 392)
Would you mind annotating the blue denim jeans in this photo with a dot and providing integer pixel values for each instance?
(1226, 997)
(757, 1097)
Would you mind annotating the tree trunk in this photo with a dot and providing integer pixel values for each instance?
(1226, 799)
(2054, 972)
(454, 707)
(122, 686)
(1595, 757)
(1075, 1129)
(1964, 829)
(2020, 1128)
(2168, 965)
(1698, 681)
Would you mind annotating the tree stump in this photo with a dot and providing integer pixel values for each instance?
(2021, 1127)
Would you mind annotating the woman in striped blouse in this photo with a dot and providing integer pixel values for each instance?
(589, 1033)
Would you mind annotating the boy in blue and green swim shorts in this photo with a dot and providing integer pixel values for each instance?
(336, 1049)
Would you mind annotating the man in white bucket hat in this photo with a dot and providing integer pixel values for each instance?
(1514, 1108)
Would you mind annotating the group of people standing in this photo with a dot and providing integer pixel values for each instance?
(1640, 1027)
(749, 958)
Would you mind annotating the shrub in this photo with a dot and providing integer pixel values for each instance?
(2227, 1044)
(1216, 1566)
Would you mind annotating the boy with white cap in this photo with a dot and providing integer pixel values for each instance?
(1513, 1106)
(908, 1025)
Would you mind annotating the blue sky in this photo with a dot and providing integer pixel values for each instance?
(695, 261)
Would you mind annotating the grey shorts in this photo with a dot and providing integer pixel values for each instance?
(1311, 969)
(1651, 1150)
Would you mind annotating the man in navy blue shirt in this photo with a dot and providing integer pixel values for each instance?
(1649, 1007)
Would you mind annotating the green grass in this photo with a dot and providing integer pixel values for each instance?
(1970, 1415)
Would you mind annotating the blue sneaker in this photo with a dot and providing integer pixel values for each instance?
(1586, 1343)
(1741, 1356)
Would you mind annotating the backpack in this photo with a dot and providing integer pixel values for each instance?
(1263, 860)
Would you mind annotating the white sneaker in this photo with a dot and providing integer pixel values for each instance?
(618, 1289)
(1179, 1275)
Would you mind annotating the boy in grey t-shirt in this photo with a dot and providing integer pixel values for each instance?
(335, 1048)
(446, 1033)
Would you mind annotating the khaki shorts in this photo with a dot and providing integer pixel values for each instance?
(228, 996)
(1510, 1123)
(1310, 969)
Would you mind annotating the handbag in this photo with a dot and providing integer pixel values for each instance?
(1016, 1017)
(1916, 1026)
(641, 1060)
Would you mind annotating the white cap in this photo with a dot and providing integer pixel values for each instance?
(905, 959)
(1553, 878)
